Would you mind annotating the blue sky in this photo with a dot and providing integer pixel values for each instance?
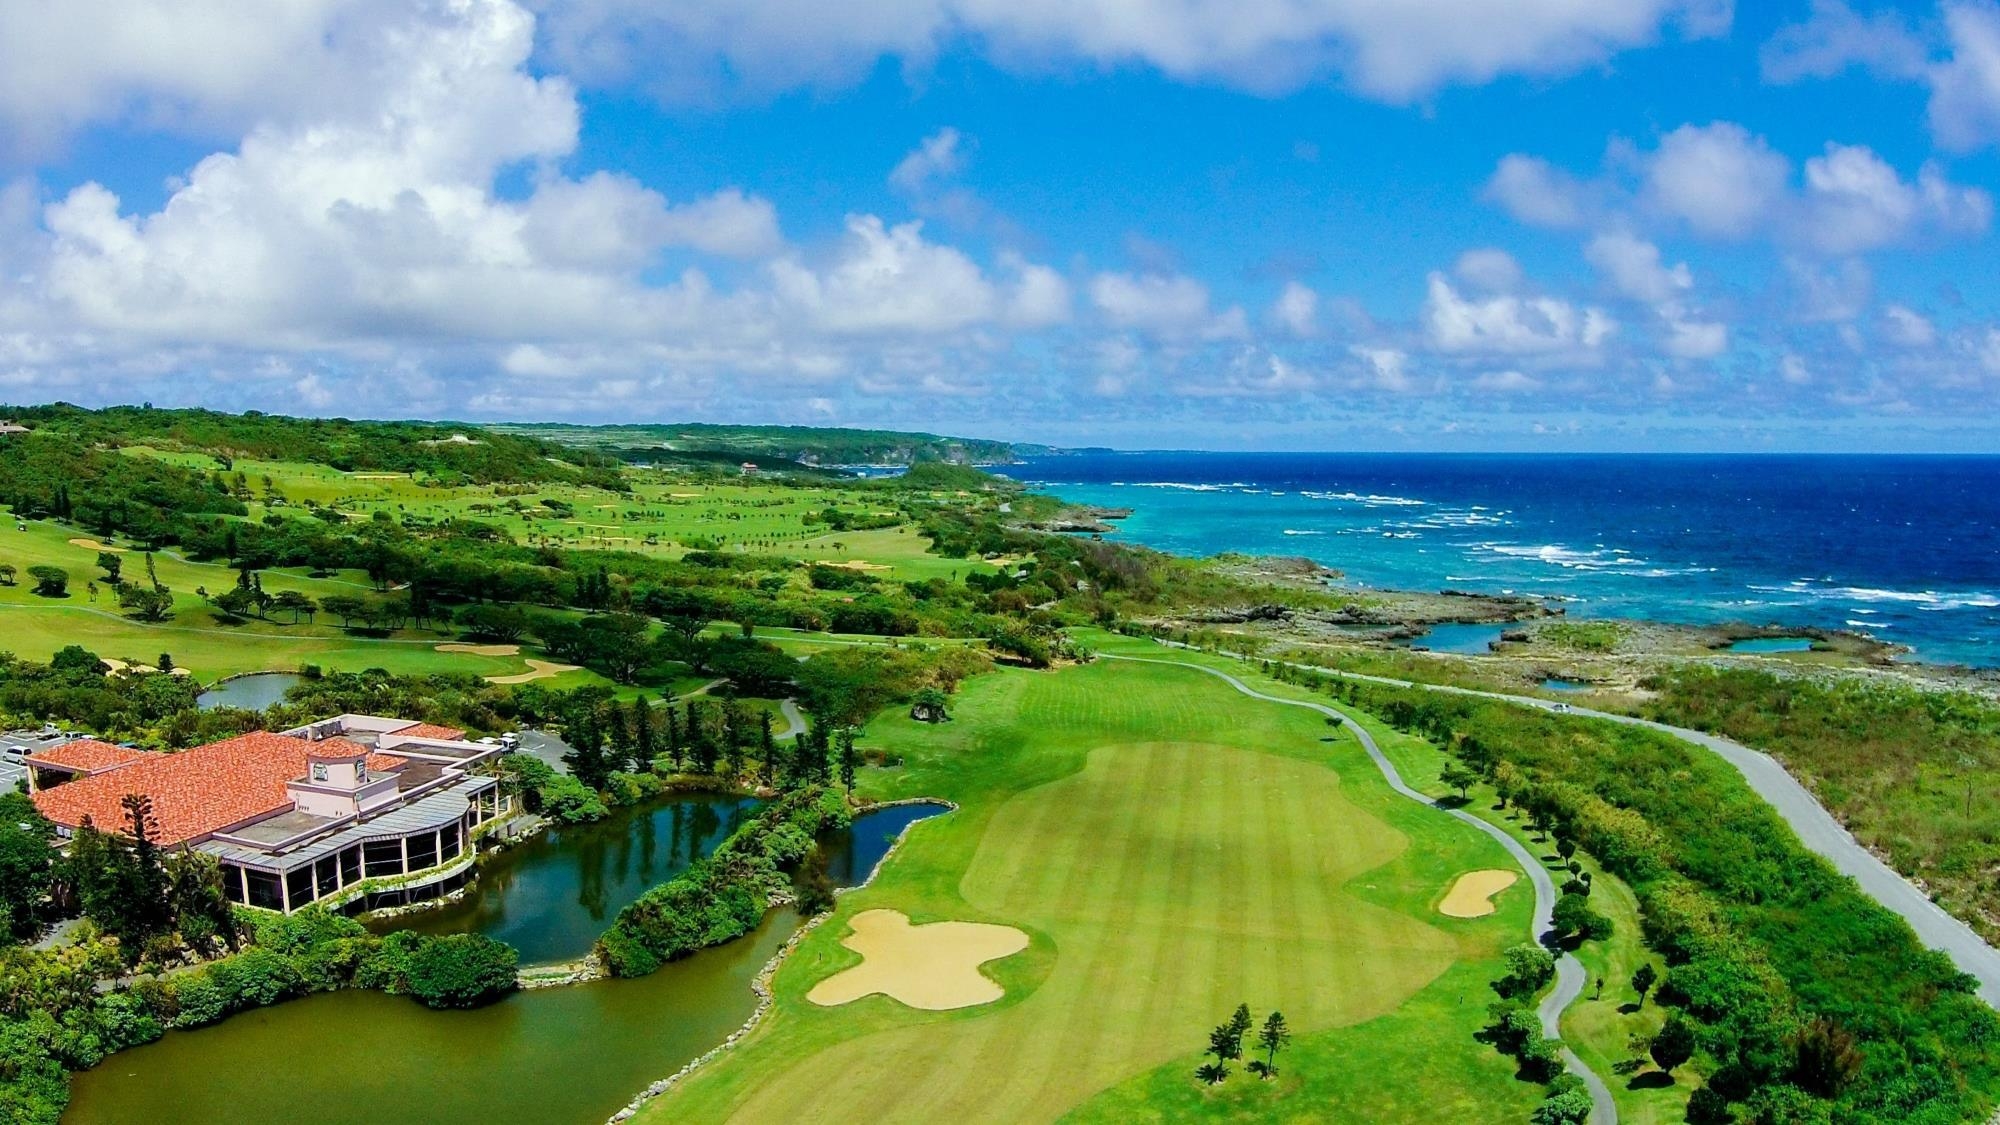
(1571, 224)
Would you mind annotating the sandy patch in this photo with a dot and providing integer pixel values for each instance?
(1472, 895)
(685, 495)
(378, 476)
(934, 966)
(855, 564)
(537, 670)
(482, 650)
(94, 545)
(117, 665)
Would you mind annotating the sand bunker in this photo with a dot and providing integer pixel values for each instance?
(934, 966)
(482, 650)
(1472, 895)
(538, 670)
(117, 665)
(94, 545)
(685, 495)
(378, 476)
(856, 564)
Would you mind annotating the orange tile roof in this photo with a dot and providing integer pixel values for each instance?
(427, 730)
(195, 792)
(86, 755)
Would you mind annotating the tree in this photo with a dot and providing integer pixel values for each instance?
(1643, 980)
(110, 564)
(50, 581)
(1529, 968)
(1565, 847)
(1272, 1038)
(844, 749)
(1825, 1059)
(295, 603)
(1573, 917)
(1569, 1107)
(347, 607)
(147, 603)
(929, 705)
(27, 862)
(462, 970)
(77, 659)
(1459, 777)
(504, 623)
(1211, 1073)
(8, 575)
(1674, 1045)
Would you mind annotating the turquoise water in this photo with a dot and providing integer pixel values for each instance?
(1459, 638)
(1906, 549)
(1556, 683)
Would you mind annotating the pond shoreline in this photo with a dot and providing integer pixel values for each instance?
(760, 984)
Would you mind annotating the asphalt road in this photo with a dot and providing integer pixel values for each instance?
(1816, 828)
(1570, 974)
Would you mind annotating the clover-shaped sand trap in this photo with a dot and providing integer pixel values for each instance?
(933, 966)
(1472, 895)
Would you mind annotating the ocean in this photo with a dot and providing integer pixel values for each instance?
(1905, 548)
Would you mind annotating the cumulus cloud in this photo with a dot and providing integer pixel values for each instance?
(1392, 51)
(1488, 269)
(1171, 306)
(1965, 86)
(1634, 268)
(1296, 310)
(1834, 38)
(1722, 182)
(938, 157)
(1957, 57)
(1906, 327)
(1510, 325)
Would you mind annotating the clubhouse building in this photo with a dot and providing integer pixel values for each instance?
(355, 812)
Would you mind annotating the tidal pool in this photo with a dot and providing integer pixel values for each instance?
(554, 1055)
(253, 692)
(1459, 638)
(1556, 683)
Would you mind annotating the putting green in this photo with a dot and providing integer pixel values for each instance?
(1162, 883)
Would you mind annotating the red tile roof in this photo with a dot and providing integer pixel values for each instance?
(426, 730)
(195, 792)
(86, 755)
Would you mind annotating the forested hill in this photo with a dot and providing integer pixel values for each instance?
(446, 451)
(823, 445)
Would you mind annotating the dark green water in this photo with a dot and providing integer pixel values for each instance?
(555, 1055)
(252, 693)
(552, 1056)
(549, 898)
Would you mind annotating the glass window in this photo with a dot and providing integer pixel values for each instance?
(232, 882)
(263, 889)
(319, 771)
(423, 851)
(350, 865)
(299, 884)
(383, 857)
(448, 845)
(326, 875)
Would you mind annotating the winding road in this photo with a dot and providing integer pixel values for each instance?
(1570, 974)
(1816, 828)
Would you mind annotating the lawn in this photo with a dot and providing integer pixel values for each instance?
(1172, 848)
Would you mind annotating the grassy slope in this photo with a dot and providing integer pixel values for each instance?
(1172, 848)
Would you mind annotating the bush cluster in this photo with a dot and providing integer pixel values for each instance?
(724, 896)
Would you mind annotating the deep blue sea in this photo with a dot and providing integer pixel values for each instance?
(1904, 548)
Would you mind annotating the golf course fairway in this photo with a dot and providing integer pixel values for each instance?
(1172, 848)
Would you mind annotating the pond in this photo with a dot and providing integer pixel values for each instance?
(252, 693)
(1772, 644)
(1556, 683)
(572, 1054)
(1477, 639)
(550, 897)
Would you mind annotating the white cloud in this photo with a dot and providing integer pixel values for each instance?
(1633, 267)
(1506, 382)
(890, 279)
(1720, 181)
(1835, 38)
(1490, 270)
(1792, 368)
(1536, 192)
(937, 158)
(1387, 368)
(1394, 51)
(1906, 327)
(1166, 305)
(1296, 310)
(1717, 178)
(1512, 325)
(1965, 87)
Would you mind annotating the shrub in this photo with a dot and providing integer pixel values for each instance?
(462, 970)
(1529, 968)
(199, 999)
